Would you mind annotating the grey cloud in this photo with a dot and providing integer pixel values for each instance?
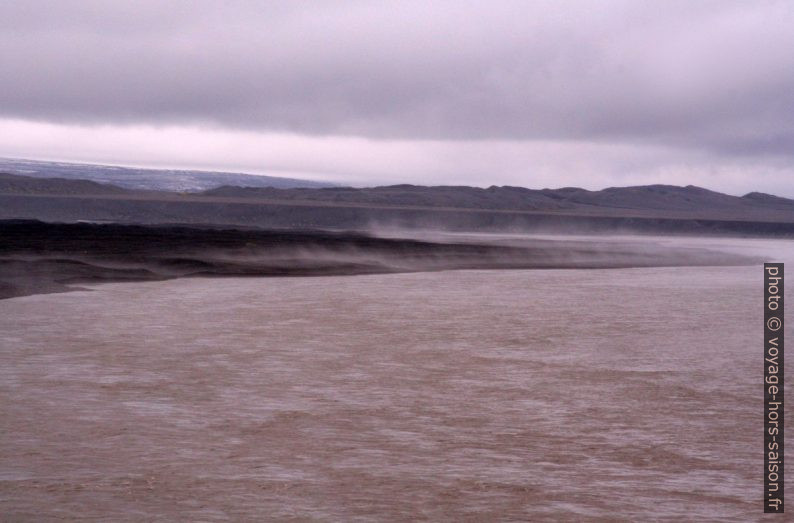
(714, 76)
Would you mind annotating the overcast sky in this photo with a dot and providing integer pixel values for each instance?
(539, 94)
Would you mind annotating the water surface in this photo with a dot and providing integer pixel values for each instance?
(536, 395)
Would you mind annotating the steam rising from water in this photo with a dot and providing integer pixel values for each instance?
(47, 257)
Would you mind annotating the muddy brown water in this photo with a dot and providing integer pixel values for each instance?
(526, 395)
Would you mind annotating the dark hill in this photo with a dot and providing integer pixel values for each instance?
(644, 209)
(503, 198)
(16, 184)
(649, 197)
(769, 200)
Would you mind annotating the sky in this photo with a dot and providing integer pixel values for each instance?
(529, 93)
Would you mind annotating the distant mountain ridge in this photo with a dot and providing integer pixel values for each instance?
(148, 179)
(18, 184)
(615, 210)
(505, 198)
(647, 197)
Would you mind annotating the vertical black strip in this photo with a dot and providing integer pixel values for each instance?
(773, 388)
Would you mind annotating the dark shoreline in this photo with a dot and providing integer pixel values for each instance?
(38, 257)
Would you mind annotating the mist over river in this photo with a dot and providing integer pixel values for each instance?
(474, 395)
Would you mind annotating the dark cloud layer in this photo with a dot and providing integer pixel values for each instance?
(711, 76)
